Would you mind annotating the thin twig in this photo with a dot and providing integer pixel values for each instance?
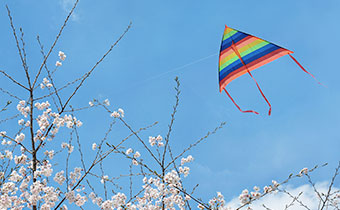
(19, 49)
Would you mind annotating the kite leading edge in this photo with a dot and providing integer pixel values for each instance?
(241, 53)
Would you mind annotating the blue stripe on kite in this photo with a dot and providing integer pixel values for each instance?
(247, 59)
(236, 38)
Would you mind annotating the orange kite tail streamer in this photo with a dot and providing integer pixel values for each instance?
(303, 69)
(246, 111)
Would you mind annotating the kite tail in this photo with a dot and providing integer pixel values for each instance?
(258, 86)
(303, 69)
(246, 111)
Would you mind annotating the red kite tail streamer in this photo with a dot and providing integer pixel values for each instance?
(303, 69)
(258, 86)
(246, 111)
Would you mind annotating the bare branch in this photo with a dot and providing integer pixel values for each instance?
(13, 80)
(196, 143)
(55, 42)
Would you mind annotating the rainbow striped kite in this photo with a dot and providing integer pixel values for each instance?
(241, 53)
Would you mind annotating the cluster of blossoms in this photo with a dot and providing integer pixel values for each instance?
(23, 109)
(18, 180)
(135, 156)
(187, 160)
(156, 192)
(184, 170)
(19, 138)
(44, 169)
(32, 193)
(4, 142)
(62, 57)
(156, 141)
(247, 197)
(8, 154)
(18, 192)
(75, 176)
(116, 201)
(22, 122)
(50, 154)
(78, 199)
(217, 202)
(69, 147)
(45, 83)
(59, 178)
(20, 159)
(44, 121)
(118, 113)
(95, 199)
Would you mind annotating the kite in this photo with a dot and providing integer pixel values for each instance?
(241, 53)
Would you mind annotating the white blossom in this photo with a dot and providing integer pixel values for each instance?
(303, 171)
(115, 114)
(20, 137)
(58, 63)
(3, 133)
(21, 122)
(59, 177)
(136, 155)
(121, 111)
(106, 102)
(94, 146)
(135, 162)
(129, 151)
(61, 55)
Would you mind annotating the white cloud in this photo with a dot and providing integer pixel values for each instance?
(67, 5)
(278, 201)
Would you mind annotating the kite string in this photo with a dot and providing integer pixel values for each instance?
(246, 111)
(180, 67)
(258, 86)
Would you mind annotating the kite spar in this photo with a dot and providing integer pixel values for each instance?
(241, 53)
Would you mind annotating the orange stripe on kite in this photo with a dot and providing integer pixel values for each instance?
(239, 44)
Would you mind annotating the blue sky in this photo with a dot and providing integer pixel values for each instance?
(138, 76)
